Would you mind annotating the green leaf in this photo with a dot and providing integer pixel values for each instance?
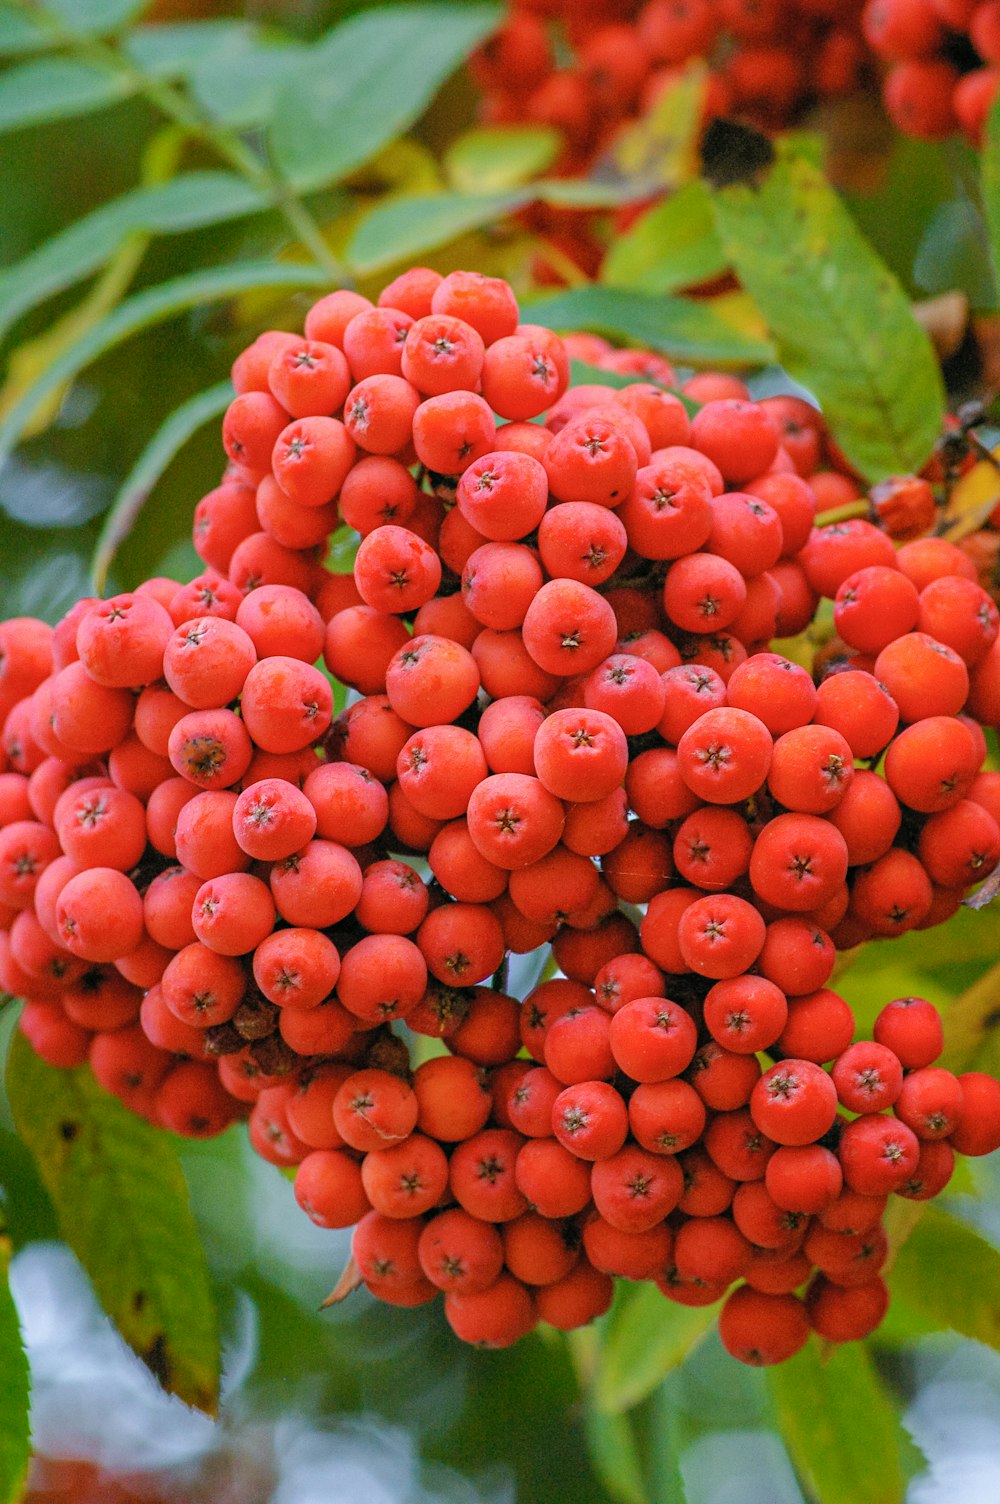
(154, 306)
(366, 82)
(15, 1446)
(177, 50)
(141, 480)
(839, 1424)
(402, 228)
(614, 1455)
(954, 254)
(678, 327)
(495, 158)
(990, 179)
(645, 1338)
(242, 85)
(185, 203)
(948, 1272)
(970, 1022)
(21, 33)
(122, 1204)
(673, 245)
(55, 88)
(842, 323)
(95, 17)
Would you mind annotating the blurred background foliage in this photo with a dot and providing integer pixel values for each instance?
(178, 176)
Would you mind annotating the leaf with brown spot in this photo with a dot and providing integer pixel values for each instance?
(121, 1201)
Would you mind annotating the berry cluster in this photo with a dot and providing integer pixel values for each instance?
(590, 70)
(943, 59)
(610, 63)
(565, 726)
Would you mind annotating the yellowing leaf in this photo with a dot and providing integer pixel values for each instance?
(494, 158)
(662, 147)
(973, 498)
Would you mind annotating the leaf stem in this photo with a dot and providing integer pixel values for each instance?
(225, 142)
(859, 508)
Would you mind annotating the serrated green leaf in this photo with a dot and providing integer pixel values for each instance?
(405, 227)
(15, 1443)
(172, 435)
(187, 202)
(990, 182)
(839, 1425)
(367, 81)
(496, 158)
(57, 88)
(946, 1271)
(646, 1337)
(95, 17)
(119, 1194)
(153, 306)
(680, 328)
(175, 50)
(842, 323)
(673, 245)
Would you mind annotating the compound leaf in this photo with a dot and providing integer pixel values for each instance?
(121, 1202)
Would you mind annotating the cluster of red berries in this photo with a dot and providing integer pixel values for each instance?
(769, 60)
(943, 59)
(608, 64)
(565, 727)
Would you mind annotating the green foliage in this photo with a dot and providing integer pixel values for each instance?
(365, 83)
(825, 1404)
(96, 17)
(14, 1391)
(645, 1336)
(187, 202)
(990, 180)
(403, 228)
(121, 517)
(490, 159)
(146, 308)
(57, 88)
(672, 246)
(948, 1273)
(614, 1452)
(121, 1203)
(678, 328)
(842, 324)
